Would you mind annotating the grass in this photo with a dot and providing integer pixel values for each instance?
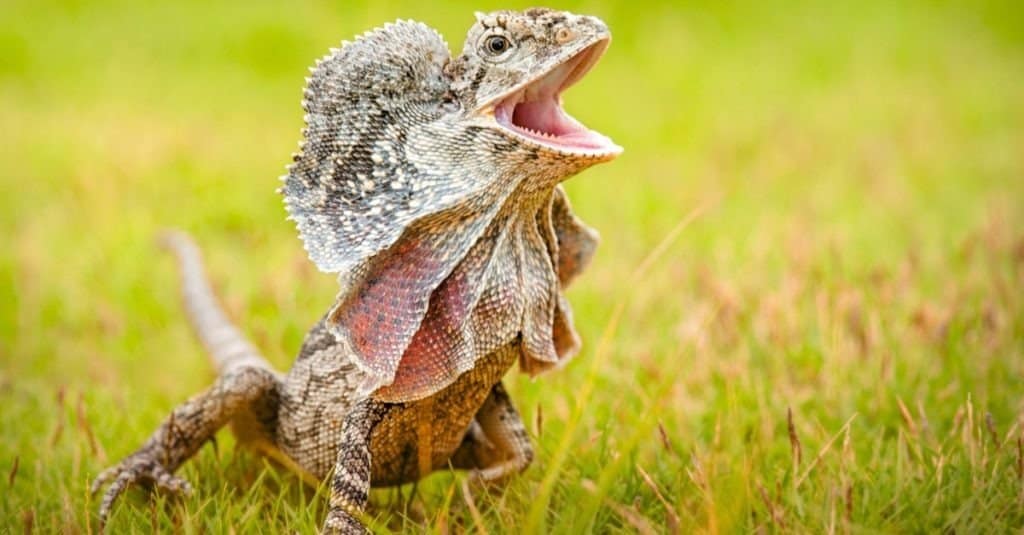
(835, 342)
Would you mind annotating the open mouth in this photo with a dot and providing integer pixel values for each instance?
(534, 111)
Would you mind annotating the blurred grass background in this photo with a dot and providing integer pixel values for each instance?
(835, 343)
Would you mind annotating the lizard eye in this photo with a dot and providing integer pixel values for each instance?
(497, 45)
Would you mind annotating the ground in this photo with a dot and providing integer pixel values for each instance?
(806, 314)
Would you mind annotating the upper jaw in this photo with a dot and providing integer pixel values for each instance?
(532, 110)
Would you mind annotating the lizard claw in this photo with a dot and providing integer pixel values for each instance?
(137, 468)
(490, 476)
(478, 481)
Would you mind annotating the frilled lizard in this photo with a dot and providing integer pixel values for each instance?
(430, 184)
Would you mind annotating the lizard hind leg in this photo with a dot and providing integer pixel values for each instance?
(496, 445)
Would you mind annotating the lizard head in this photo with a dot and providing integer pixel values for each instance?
(430, 184)
(513, 70)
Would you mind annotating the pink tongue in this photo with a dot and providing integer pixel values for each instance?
(545, 116)
(542, 116)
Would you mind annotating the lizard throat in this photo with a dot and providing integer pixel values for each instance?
(535, 112)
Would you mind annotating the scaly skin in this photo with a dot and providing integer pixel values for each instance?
(424, 183)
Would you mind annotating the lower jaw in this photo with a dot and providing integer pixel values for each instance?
(580, 141)
(575, 143)
(562, 143)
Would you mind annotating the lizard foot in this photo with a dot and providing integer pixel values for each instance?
(139, 467)
(497, 472)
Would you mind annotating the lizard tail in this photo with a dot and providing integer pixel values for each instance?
(224, 342)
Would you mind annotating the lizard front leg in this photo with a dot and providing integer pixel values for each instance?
(188, 427)
(496, 444)
(350, 484)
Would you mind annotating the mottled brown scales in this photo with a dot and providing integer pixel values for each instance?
(430, 185)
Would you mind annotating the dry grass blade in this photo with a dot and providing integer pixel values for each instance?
(665, 441)
(907, 418)
(58, 430)
(467, 496)
(967, 433)
(696, 474)
(824, 450)
(538, 421)
(672, 518)
(990, 425)
(923, 418)
(849, 503)
(28, 521)
(794, 440)
(773, 512)
(14, 471)
(83, 424)
(1020, 458)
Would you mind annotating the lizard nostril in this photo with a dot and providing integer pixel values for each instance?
(564, 35)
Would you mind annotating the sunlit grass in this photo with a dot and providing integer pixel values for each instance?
(834, 343)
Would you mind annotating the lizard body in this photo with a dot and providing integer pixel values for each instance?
(430, 184)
